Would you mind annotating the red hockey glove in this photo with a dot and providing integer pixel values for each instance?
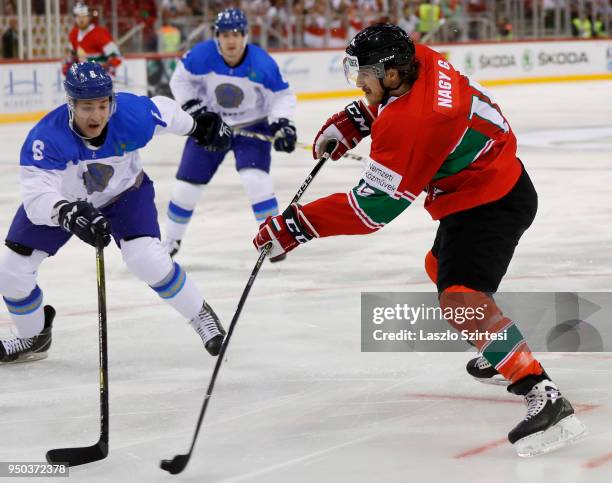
(285, 231)
(348, 127)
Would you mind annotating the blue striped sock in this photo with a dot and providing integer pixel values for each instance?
(178, 214)
(172, 284)
(26, 305)
(265, 208)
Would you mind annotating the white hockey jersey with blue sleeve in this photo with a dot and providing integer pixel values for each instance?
(247, 93)
(56, 164)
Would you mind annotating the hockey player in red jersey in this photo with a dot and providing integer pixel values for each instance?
(435, 130)
(91, 42)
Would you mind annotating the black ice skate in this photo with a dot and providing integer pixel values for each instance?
(550, 422)
(207, 324)
(29, 349)
(481, 370)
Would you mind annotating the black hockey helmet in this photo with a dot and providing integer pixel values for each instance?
(377, 47)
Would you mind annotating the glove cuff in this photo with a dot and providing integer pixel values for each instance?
(55, 213)
(360, 116)
(298, 225)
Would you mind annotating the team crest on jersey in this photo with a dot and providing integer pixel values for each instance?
(229, 95)
(97, 177)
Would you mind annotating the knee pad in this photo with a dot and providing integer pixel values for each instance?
(257, 184)
(18, 273)
(146, 258)
(186, 195)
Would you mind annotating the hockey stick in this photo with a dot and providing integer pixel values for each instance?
(179, 462)
(99, 451)
(270, 139)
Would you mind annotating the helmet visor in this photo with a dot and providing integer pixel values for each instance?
(355, 74)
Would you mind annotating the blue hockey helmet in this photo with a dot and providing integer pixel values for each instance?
(88, 80)
(231, 19)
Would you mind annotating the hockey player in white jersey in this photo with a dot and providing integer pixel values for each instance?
(81, 174)
(243, 84)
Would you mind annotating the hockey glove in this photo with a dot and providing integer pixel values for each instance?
(211, 132)
(285, 135)
(194, 107)
(348, 127)
(284, 232)
(83, 220)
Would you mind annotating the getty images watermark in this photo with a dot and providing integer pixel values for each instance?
(549, 321)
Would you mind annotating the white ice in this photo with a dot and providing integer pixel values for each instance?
(296, 400)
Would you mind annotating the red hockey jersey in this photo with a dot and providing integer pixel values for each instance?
(446, 136)
(94, 44)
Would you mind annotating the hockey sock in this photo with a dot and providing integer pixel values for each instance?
(497, 337)
(185, 196)
(264, 209)
(147, 259)
(431, 266)
(260, 191)
(27, 313)
(180, 292)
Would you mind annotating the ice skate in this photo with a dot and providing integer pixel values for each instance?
(207, 324)
(31, 348)
(481, 370)
(550, 422)
(171, 246)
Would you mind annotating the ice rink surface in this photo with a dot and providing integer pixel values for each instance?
(296, 400)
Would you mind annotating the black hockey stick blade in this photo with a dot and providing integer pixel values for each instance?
(78, 456)
(176, 464)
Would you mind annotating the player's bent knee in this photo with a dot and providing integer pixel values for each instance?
(186, 194)
(18, 273)
(146, 258)
(257, 184)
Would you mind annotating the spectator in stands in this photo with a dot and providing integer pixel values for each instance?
(10, 40)
(91, 42)
(175, 8)
(147, 15)
(599, 28)
(316, 26)
(504, 28)
(9, 9)
(582, 26)
(168, 36)
(429, 17)
(409, 20)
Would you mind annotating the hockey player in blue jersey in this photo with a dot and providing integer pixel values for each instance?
(243, 84)
(81, 174)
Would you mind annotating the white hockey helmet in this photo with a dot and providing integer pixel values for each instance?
(81, 10)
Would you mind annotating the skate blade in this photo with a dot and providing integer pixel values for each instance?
(497, 380)
(566, 431)
(35, 356)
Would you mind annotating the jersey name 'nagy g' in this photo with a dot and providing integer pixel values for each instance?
(244, 94)
(56, 164)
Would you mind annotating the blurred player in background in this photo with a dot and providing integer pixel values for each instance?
(91, 42)
(435, 130)
(81, 174)
(243, 84)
